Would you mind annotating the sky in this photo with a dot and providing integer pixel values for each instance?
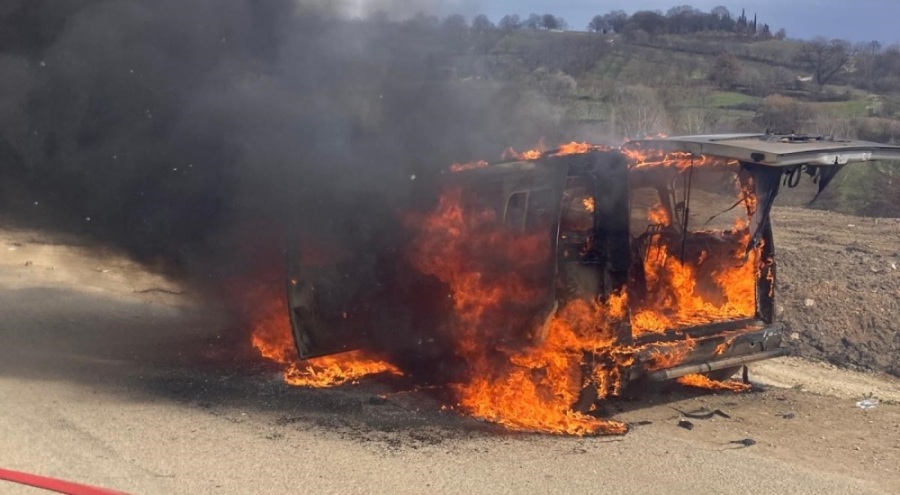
(854, 20)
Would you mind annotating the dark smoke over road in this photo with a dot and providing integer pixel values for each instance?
(189, 132)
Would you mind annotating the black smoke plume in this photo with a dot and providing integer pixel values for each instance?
(190, 132)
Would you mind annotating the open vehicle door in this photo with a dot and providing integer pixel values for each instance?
(775, 159)
(820, 157)
(776, 150)
(325, 315)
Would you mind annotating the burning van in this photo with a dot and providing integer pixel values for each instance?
(561, 276)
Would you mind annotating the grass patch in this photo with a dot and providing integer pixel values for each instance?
(724, 99)
(848, 109)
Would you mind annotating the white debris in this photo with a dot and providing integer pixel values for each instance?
(867, 404)
(809, 303)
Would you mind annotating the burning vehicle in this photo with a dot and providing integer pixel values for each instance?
(537, 286)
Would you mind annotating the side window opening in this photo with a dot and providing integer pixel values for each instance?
(516, 208)
(529, 211)
(578, 275)
(577, 218)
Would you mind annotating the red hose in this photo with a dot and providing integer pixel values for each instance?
(55, 485)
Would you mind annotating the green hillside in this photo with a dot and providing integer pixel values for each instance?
(609, 86)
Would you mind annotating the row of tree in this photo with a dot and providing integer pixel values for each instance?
(549, 22)
(678, 20)
(683, 19)
(482, 23)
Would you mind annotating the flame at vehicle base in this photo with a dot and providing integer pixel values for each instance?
(703, 381)
(271, 336)
(527, 362)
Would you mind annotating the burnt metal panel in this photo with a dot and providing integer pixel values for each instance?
(775, 150)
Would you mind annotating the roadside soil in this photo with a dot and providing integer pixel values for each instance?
(838, 287)
(115, 376)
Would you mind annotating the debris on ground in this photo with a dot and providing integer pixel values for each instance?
(687, 425)
(746, 442)
(703, 414)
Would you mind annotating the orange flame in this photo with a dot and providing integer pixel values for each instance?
(526, 379)
(271, 336)
(588, 204)
(331, 371)
(576, 148)
(669, 355)
(658, 215)
(532, 154)
(536, 388)
(570, 148)
(528, 362)
(675, 300)
(532, 383)
(459, 167)
(703, 381)
(678, 159)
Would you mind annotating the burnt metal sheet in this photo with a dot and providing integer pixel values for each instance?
(776, 150)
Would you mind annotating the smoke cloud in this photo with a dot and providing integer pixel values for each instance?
(191, 133)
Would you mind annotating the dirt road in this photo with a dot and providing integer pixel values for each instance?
(111, 376)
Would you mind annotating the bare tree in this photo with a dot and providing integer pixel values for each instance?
(825, 58)
(617, 19)
(550, 22)
(865, 59)
(722, 19)
(721, 12)
(782, 114)
(833, 123)
(510, 22)
(556, 85)
(533, 21)
(481, 23)
(638, 112)
(598, 24)
(691, 109)
(454, 23)
(649, 21)
(681, 10)
(697, 120)
(726, 71)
